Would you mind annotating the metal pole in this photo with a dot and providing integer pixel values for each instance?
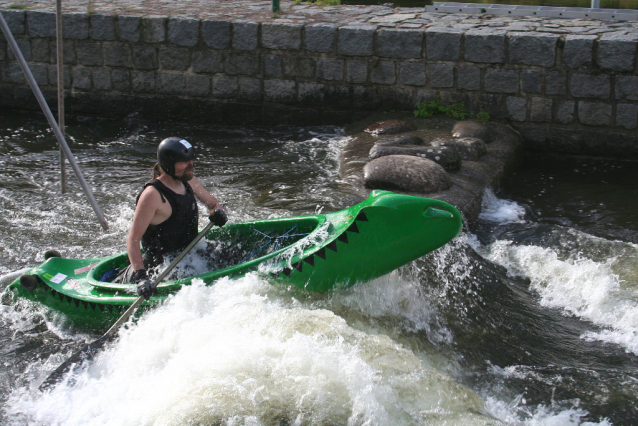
(595, 4)
(60, 61)
(275, 6)
(51, 120)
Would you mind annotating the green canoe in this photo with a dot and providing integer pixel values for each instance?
(317, 252)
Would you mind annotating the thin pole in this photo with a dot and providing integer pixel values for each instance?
(51, 120)
(60, 61)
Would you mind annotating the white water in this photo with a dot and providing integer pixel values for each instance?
(245, 352)
(600, 289)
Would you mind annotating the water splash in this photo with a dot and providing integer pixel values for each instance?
(240, 353)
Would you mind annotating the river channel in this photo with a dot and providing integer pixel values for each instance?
(531, 318)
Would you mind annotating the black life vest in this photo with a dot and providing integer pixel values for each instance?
(176, 232)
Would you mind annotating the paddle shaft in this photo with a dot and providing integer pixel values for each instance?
(111, 331)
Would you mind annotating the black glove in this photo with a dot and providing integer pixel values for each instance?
(145, 286)
(218, 217)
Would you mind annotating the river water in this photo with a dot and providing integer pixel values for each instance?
(530, 319)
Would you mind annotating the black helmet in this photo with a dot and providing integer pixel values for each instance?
(173, 150)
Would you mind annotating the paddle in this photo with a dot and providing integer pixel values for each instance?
(89, 350)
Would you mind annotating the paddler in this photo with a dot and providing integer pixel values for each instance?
(165, 219)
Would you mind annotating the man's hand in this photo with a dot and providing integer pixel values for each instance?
(218, 217)
(145, 287)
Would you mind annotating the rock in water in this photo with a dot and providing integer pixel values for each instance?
(390, 127)
(447, 157)
(472, 129)
(470, 149)
(406, 173)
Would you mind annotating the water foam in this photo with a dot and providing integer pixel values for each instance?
(245, 352)
(501, 211)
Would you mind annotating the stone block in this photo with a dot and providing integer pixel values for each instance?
(365, 97)
(242, 63)
(443, 43)
(245, 35)
(117, 54)
(25, 47)
(311, 93)
(11, 73)
(81, 79)
(143, 82)
(89, 54)
(174, 58)
(468, 78)
(533, 49)
(280, 91)
(249, 89)
(501, 81)
(320, 37)
(145, 58)
(121, 80)
(41, 24)
(356, 71)
(617, 51)
(281, 36)
(183, 31)
(299, 66)
(171, 83)
(154, 29)
(129, 28)
(356, 40)
(198, 85)
(555, 83)
(206, 61)
(102, 27)
(216, 34)
(75, 26)
(541, 110)
(68, 51)
(531, 81)
(337, 96)
(273, 66)
(627, 116)
(40, 50)
(53, 76)
(565, 112)
(595, 113)
(15, 20)
(627, 87)
(578, 51)
(225, 87)
(441, 75)
(40, 74)
(485, 46)
(383, 72)
(101, 79)
(590, 86)
(399, 43)
(516, 108)
(330, 69)
(412, 73)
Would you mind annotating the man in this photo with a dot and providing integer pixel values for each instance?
(165, 219)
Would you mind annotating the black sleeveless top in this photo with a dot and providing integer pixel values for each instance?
(176, 232)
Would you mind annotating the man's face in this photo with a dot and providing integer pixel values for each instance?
(184, 170)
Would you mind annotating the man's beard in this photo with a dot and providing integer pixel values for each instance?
(185, 176)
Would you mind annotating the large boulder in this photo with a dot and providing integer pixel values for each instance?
(390, 127)
(447, 157)
(472, 129)
(406, 173)
(468, 148)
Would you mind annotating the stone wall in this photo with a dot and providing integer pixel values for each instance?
(564, 92)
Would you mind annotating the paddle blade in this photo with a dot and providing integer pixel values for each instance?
(75, 363)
